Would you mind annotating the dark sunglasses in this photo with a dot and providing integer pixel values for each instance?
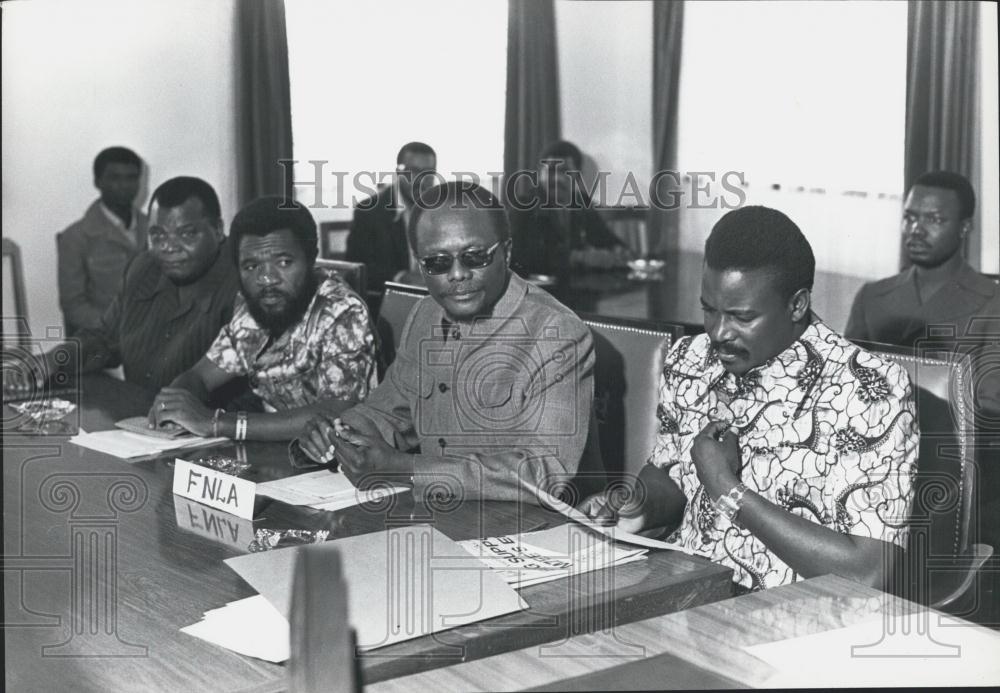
(470, 259)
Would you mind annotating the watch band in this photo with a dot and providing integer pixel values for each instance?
(241, 425)
(729, 504)
(215, 422)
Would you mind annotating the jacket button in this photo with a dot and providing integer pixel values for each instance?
(443, 387)
(442, 442)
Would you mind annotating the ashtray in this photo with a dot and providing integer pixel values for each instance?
(44, 409)
(267, 539)
(221, 463)
(646, 266)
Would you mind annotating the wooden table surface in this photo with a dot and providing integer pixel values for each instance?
(697, 648)
(103, 565)
(674, 296)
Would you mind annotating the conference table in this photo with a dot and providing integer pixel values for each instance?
(824, 632)
(103, 565)
(672, 294)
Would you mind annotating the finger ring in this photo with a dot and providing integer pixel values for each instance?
(163, 405)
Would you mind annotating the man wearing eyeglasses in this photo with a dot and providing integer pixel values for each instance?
(940, 288)
(492, 385)
(172, 301)
(378, 230)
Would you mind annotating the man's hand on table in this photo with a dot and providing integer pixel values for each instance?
(610, 509)
(178, 406)
(355, 442)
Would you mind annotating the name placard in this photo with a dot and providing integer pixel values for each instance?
(214, 525)
(215, 489)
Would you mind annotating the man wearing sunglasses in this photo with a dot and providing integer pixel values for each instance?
(492, 385)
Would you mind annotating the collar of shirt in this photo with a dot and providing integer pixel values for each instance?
(966, 277)
(118, 223)
(801, 354)
(484, 326)
(259, 339)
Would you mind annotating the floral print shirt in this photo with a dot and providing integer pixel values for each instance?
(328, 354)
(826, 431)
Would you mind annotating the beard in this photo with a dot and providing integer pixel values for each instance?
(276, 322)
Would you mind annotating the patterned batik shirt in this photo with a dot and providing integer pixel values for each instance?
(328, 354)
(826, 431)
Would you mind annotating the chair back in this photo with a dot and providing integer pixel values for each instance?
(354, 273)
(321, 641)
(333, 239)
(629, 359)
(396, 305)
(944, 500)
(15, 302)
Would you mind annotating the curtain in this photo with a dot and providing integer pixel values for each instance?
(942, 94)
(532, 114)
(263, 102)
(668, 21)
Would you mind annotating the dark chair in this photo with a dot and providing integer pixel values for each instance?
(354, 273)
(395, 308)
(943, 556)
(629, 358)
(15, 321)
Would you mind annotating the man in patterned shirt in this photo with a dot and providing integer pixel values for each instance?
(784, 451)
(305, 341)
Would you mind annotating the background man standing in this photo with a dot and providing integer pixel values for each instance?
(94, 251)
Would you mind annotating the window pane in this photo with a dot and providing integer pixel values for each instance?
(368, 77)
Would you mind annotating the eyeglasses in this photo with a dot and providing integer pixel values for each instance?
(475, 258)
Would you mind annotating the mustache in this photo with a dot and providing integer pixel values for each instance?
(462, 289)
(729, 349)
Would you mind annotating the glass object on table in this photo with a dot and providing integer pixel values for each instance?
(45, 416)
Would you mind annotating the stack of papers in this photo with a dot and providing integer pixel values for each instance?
(323, 490)
(401, 583)
(531, 558)
(128, 445)
(249, 626)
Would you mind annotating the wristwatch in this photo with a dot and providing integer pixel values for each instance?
(729, 504)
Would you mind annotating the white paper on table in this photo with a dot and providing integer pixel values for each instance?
(611, 531)
(323, 490)
(935, 650)
(531, 558)
(128, 445)
(402, 583)
(249, 626)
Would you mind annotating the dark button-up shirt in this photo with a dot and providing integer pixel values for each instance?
(157, 330)
(890, 310)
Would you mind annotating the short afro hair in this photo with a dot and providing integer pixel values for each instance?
(274, 213)
(115, 155)
(459, 195)
(177, 191)
(752, 238)
(564, 150)
(414, 148)
(951, 181)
